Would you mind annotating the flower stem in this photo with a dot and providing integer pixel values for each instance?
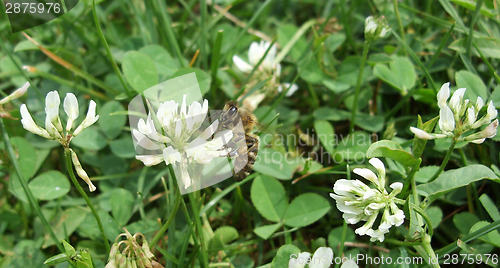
(165, 226)
(426, 244)
(108, 51)
(342, 240)
(366, 48)
(445, 160)
(199, 228)
(69, 166)
(27, 190)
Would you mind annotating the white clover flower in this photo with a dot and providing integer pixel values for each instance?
(174, 134)
(16, 94)
(53, 127)
(132, 251)
(322, 258)
(359, 202)
(458, 116)
(269, 66)
(255, 53)
(376, 28)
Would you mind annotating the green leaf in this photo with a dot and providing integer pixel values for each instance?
(326, 134)
(456, 178)
(330, 114)
(335, 86)
(353, 147)
(435, 214)
(227, 234)
(49, 185)
(474, 85)
(471, 5)
(223, 235)
(27, 157)
(70, 250)
(59, 258)
(203, 78)
(122, 202)
(392, 150)
(268, 197)
(110, 120)
(489, 47)
(464, 221)
(492, 237)
(66, 223)
(334, 41)
(372, 123)
(267, 230)
(139, 70)
(85, 260)
(165, 64)
(400, 73)
(88, 228)
(306, 209)
(276, 164)
(335, 236)
(123, 147)
(490, 207)
(424, 174)
(91, 139)
(283, 256)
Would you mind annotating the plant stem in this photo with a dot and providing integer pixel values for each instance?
(165, 226)
(69, 167)
(108, 51)
(27, 190)
(400, 23)
(426, 218)
(410, 179)
(199, 228)
(366, 48)
(342, 240)
(445, 160)
(426, 244)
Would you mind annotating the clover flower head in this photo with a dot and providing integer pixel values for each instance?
(269, 66)
(175, 131)
(255, 53)
(131, 252)
(360, 202)
(458, 116)
(376, 28)
(53, 128)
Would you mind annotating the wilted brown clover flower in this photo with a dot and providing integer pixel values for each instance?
(131, 253)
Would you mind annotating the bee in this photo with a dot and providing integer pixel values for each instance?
(244, 145)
